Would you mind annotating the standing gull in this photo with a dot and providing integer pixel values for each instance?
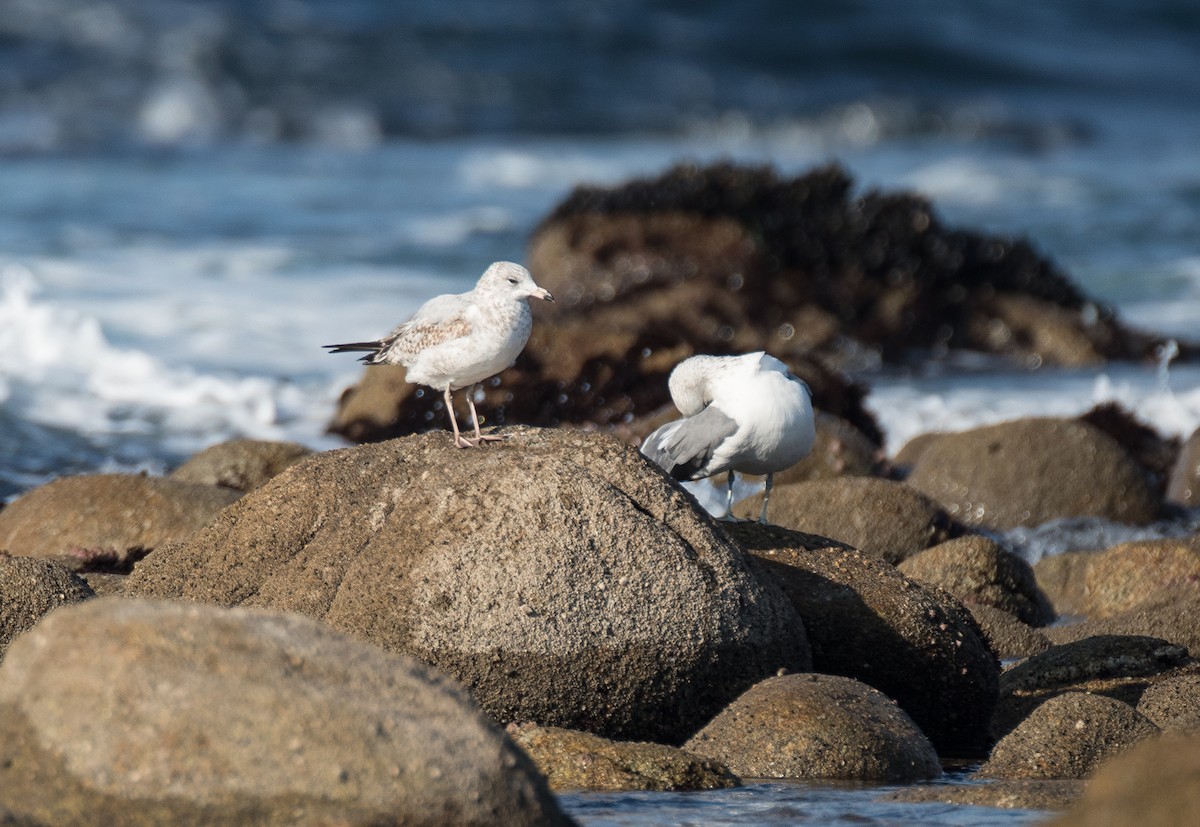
(740, 413)
(458, 340)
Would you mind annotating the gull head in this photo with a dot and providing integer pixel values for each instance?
(512, 280)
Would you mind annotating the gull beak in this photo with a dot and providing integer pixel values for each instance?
(542, 293)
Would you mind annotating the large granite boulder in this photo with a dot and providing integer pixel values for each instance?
(559, 575)
(817, 726)
(866, 620)
(139, 712)
(1026, 472)
(107, 521)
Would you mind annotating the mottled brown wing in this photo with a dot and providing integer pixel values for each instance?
(405, 342)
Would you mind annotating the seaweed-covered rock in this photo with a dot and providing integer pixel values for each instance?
(560, 575)
(138, 712)
(1026, 472)
(1175, 618)
(817, 726)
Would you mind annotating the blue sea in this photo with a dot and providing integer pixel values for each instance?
(195, 196)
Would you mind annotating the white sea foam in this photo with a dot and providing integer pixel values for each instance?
(908, 407)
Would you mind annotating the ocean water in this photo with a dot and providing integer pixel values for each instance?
(194, 197)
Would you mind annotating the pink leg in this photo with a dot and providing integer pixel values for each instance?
(459, 440)
(479, 437)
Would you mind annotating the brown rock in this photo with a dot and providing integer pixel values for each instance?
(106, 520)
(1175, 618)
(1012, 794)
(910, 451)
(978, 571)
(1007, 636)
(1154, 452)
(1173, 704)
(880, 517)
(867, 621)
(29, 589)
(1155, 784)
(817, 726)
(240, 464)
(573, 760)
(136, 712)
(560, 575)
(1183, 486)
(1068, 736)
(1029, 471)
(1110, 582)
(1117, 666)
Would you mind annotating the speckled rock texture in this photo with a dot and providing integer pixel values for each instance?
(240, 464)
(103, 521)
(559, 575)
(30, 588)
(866, 620)
(138, 712)
(1119, 666)
(817, 726)
(1173, 704)
(1008, 636)
(1029, 471)
(1068, 736)
(573, 760)
(881, 517)
(1105, 583)
(979, 572)
(1175, 618)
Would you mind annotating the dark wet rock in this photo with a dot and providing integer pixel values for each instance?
(1154, 452)
(1175, 618)
(867, 621)
(240, 464)
(1012, 794)
(822, 263)
(978, 571)
(1068, 736)
(1183, 486)
(1173, 704)
(1114, 581)
(1152, 785)
(1030, 471)
(573, 760)
(817, 726)
(107, 521)
(840, 450)
(559, 575)
(139, 712)
(1008, 636)
(1118, 666)
(881, 517)
(30, 588)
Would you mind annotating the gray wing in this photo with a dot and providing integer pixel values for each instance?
(685, 447)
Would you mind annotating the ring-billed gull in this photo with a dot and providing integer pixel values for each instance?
(741, 413)
(455, 341)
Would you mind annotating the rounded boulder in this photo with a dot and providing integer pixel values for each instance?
(559, 575)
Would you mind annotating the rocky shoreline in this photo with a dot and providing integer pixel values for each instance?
(406, 632)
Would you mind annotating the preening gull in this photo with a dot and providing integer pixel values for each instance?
(741, 413)
(457, 340)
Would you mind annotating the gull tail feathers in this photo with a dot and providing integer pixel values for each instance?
(372, 349)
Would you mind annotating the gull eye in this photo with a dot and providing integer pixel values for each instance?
(512, 281)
